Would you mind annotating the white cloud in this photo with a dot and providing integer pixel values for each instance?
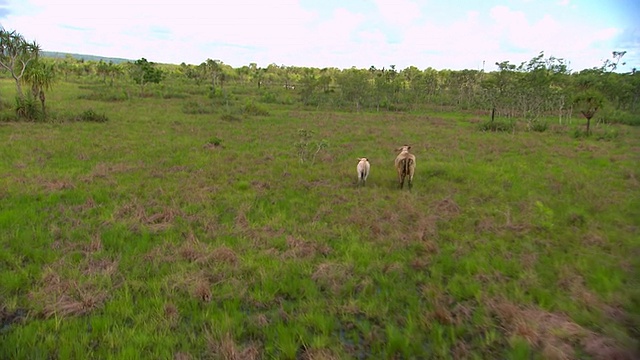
(284, 32)
(398, 12)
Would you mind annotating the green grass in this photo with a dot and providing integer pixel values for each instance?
(170, 232)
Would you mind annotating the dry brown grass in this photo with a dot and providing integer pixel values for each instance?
(447, 208)
(155, 218)
(331, 277)
(225, 348)
(318, 354)
(555, 335)
(65, 292)
(67, 297)
(303, 249)
(56, 185)
(182, 356)
(104, 171)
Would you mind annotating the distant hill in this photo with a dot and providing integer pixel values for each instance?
(54, 54)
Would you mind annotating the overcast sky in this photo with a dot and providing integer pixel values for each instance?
(442, 34)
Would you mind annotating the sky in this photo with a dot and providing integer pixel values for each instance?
(461, 34)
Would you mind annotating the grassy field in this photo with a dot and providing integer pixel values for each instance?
(166, 234)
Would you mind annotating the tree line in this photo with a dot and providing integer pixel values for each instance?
(540, 88)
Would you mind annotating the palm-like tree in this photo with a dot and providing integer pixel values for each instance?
(40, 75)
(15, 55)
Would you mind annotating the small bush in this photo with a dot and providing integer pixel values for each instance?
(307, 147)
(254, 109)
(269, 97)
(497, 126)
(91, 116)
(537, 125)
(215, 141)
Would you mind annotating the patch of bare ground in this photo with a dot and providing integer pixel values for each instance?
(554, 334)
(225, 347)
(331, 277)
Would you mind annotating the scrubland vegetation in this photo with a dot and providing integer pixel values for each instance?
(219, 217)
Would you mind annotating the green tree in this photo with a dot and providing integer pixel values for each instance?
(15, 55)
(212, 69)
(354, 84)
(308, 85)
(498, 86)
(144, 72)
(588, 102)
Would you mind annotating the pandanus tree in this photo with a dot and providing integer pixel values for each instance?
(40, 75)
(15, 55)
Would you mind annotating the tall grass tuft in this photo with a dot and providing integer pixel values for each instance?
(90, 115)
(28, 109)
(497, 126)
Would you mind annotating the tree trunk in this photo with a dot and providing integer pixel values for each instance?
(42, 100)
(19, 88)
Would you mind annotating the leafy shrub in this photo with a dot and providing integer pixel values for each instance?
(497, 126)
(254, 109)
